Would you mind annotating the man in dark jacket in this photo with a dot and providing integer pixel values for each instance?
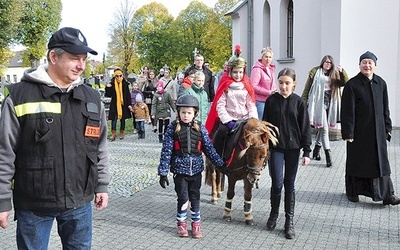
(208, 81)
(53, 148)
(366, 125)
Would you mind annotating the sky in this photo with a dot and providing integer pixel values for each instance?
(93, 17)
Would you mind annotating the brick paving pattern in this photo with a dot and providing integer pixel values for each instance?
(141, 215)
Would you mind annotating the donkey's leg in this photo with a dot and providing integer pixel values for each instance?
(211, 180)
(248, 216)
(229, 196)
(219, 179)
(214, 187)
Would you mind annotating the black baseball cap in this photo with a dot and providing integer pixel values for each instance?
(71, 40)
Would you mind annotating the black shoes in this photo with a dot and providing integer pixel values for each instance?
(393, 200)
(353, 198)
(316, 154)
(328, 158)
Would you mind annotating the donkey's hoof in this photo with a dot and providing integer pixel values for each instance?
(227, 218)
(250, 222)
(219, 195)
(214, 201)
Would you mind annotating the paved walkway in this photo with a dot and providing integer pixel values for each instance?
(141, 215)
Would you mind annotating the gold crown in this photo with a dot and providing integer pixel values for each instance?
(236, 60)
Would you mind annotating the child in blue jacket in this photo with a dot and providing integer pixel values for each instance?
(184, 142)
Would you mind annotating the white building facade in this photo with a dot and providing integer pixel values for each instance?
(301, 32)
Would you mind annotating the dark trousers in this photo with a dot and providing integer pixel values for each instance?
(114, 124)
(162, 124)
(219, 138)
(283, 165)
(187, 189)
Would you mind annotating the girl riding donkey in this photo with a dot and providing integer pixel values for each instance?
(234, 102)
(184, 142)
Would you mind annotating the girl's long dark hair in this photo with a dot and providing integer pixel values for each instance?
(332, 73)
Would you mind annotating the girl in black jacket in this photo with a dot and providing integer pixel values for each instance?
(288, 112)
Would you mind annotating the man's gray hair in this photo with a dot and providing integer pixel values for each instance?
(58, 52)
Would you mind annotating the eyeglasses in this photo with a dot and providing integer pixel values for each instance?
(118, 76)
(328, 62)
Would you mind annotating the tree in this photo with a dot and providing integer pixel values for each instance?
(40, 19)
(158, 39)
(121, 47)
(10, 12)
(5, 55)
(153, 35)
(219, 35)
(208, 30)
(221, 8)
(195, 23)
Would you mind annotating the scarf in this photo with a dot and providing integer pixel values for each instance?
(316, 102)
(120, 97)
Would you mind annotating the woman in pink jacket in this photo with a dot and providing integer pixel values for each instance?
(262, 79)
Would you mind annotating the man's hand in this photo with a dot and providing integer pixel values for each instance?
(3, 219)
(101, 201)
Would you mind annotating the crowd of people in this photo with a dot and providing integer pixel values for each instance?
(54, 131)
(237, 97)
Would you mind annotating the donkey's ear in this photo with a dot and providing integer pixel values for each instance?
(246, 132)
(265, 137)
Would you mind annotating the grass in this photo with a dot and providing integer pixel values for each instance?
(128, 126)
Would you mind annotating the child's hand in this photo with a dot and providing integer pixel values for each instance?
(305, 161)
(231, 124)
(224, 169)
(164, 181)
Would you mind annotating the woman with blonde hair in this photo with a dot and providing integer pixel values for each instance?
(118, 90)
(262, 79)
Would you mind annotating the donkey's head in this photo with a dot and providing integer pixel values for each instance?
(257, 136)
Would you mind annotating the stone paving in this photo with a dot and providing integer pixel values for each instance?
(141, 215)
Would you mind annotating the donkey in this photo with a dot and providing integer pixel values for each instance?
(249, 159)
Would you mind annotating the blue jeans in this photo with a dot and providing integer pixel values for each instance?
(74, 227)
(140, 128)
(260, 109)
(279, 160)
